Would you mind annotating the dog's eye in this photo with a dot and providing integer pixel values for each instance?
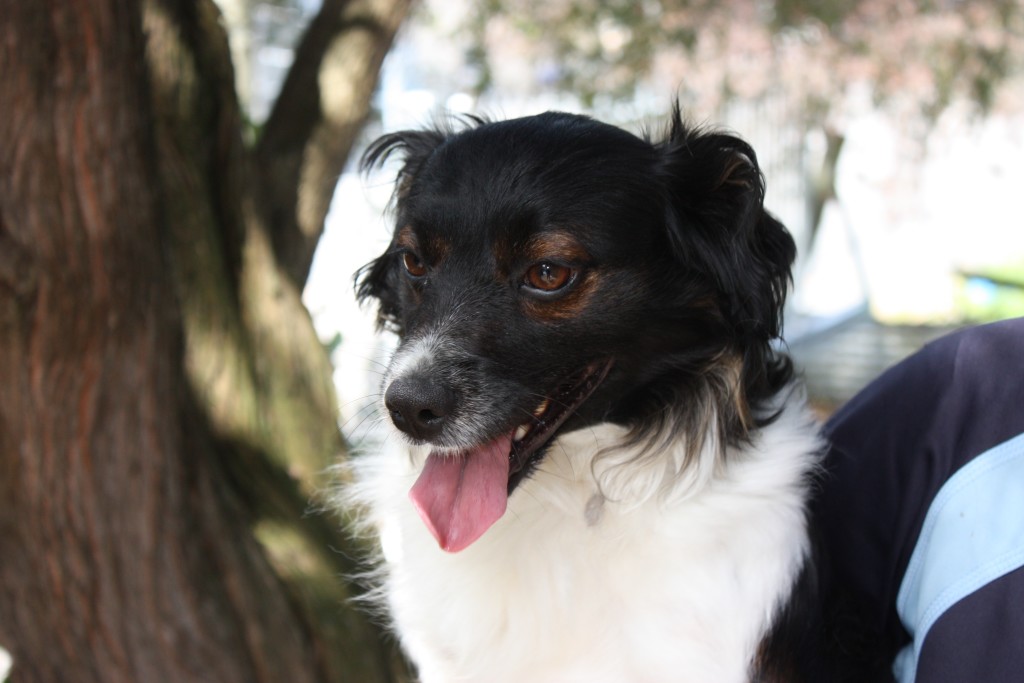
(413, 265)
(548, 277)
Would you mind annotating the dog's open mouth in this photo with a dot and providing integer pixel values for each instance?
(460, 496)
(550, 413)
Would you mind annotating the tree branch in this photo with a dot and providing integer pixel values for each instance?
(314, 122)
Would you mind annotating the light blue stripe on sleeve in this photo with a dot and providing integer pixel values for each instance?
(973, 534)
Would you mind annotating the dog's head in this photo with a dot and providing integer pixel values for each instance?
(551, 272)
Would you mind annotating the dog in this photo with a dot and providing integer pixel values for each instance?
(610, 459)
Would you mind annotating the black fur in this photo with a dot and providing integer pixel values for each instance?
(693, 270)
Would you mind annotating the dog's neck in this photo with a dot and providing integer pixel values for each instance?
(609, 565)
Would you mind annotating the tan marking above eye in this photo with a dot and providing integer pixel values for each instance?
(406, 238)
(548, 277)
(562, 244)
(413, 265)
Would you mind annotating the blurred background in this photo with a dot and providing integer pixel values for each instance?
(891, 135)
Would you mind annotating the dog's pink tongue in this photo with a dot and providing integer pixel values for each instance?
(460, 497)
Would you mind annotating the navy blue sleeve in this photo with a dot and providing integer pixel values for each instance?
(934, 446)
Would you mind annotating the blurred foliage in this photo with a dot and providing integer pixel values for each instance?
(993, 293)
(923, 53)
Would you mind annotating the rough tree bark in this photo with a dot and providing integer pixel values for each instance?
(165, 407)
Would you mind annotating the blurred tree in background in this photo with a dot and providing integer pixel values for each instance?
(166, 408)
(922, 54)
(827, 56)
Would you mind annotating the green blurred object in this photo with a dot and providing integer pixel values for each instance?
(994, 293)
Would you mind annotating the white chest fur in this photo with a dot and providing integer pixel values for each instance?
(669, 576)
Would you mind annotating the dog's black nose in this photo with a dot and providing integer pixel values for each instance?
(418, 406)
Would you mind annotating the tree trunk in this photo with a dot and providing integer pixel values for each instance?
(315, 120)
(823, 184)
(165, 406)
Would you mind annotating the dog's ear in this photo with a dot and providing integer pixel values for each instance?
(415, 147)
(717, 224)
(376, 280)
